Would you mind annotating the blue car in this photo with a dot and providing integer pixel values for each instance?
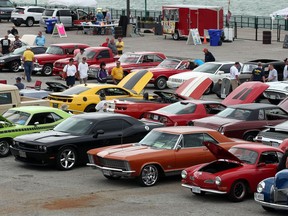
(272, 193)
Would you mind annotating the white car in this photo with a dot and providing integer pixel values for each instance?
(276, 92)
(28, 15)
(214, 70)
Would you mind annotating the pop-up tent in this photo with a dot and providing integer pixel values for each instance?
(283, 13)
(74, 3)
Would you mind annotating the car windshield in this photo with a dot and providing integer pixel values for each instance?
(54, 50)
(157, 139)
(181, 107)
(75, 90)
(90, 54)
(169, 63)
(19, 51)
(17, 117)
(129, 58)
(207, 68)
(248, 67)
(75, 125)
(232, 113)
(246, 155)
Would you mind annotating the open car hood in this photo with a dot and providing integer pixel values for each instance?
(136, 81)
(56, 86)
(284, 104)
(247, 92)
(220, 153)
(29, 39)
(194, 87)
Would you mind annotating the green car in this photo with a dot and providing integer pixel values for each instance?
(26, 120)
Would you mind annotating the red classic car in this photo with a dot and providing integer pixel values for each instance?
(132, 60)
(94, 55)
(162, 152)
(236, 172)
(44, 62)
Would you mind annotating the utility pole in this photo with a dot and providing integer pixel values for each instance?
(128, 10)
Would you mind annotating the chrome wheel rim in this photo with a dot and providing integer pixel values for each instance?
(67, 158)
(47, 70)
(149, 175)
(30, 22)
(15, 66)
(161, 83)
(4, 147)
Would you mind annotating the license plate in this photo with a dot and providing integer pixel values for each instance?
(55, 105)
(259, 196)
(155, 117)
(22, 154)
(196, 189)
(107, 172)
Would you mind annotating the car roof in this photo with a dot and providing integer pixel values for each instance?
(34, 109)
(257, 147)
(69, 44)
(101, 115)
(184, 129)
(200, 101)
(263, 61)
(145, 52)
(26, 7)
(254, 106)
(221, 62)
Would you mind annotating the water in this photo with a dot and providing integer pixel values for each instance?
(237, 7)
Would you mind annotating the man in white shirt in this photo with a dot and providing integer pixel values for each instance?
(102, 105)
(83, 71)
(273, 74)
(285, 71)
(80, 55)
(234, 75)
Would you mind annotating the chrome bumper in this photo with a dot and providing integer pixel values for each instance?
(114, 171)
(272, 205)
(205, 190)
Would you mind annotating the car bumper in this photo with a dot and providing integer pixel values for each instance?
(199, 189)
(37, 68)
(260, 199)
(112, 171)
(18, 20)
(173, 84)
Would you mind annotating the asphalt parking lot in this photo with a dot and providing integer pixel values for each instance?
(37, 191)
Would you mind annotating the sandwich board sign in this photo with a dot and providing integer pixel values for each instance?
(59, 30)
(194, 37)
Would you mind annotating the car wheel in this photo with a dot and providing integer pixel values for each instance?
(90, 108)
(209, 90)
(249, 137)
(113, 177)
(14, 66)
(149, 176)
(202, 193)
(269, 209)
(66, 158)
(176, 36)
(29, 22)
(4, 148)
(238, 191)
(47, 70)
(161, 83)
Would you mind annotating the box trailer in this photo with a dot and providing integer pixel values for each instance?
(178, 19)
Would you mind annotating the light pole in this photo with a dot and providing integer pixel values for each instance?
(145, 10)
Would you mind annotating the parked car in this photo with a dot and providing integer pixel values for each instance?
(28, 15)
(235, 173)
(66, 145)
(44, 62)
(130, 61)
(6, 7)
(27, 120)
(276, 92)
(164, 151)
(244, 121)
(12, 61)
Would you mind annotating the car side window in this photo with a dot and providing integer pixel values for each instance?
(56, 117)
(275, 114)
(261, 115)
(193, 140)
(42, 118)
(104, 54)
(114, 92)
(270, 157)
(69, 51)
(113, 125)
(208, 138)
(157, 59)
(5, 98)
(226, 68)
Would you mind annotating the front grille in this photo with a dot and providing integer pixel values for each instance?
(26, 146)
(177, 80)
(117, 164)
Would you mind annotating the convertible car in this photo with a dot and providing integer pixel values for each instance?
(27, 120)
(236, 172)
(162, 152)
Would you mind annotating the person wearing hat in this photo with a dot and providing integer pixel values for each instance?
(285, 70)
(28, 59)
(70, 70)
(208, 56)
(40, 40)
(19, 84)
(79, 56)
(102, 105)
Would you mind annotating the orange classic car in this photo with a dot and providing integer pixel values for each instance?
(163, 151)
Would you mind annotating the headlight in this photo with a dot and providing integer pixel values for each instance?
(218, 180)
(260, 187)
(184, 174)
(2, 61)
(42, 148)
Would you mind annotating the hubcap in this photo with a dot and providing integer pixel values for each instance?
(4, 147)
(67, 159)
(239, 190)
(149, 175)
(15, 66)
(47, 70)
(30, 22)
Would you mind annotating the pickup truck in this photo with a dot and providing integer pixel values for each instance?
(44, 62)
(10, 97)
(94, 55)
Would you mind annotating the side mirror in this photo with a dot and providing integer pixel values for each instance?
(36, 123)
(178, 147)
(220, 72)
(97, 133)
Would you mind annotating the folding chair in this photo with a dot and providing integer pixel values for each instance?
(37, 85)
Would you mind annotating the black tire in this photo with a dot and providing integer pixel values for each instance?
(268, 209)
(90, 108)
(14, 66)
(149, 175)
(4, 147)
(250, 136)
(29, 22)
(209, 90)
(47, 70)
(238, 191)
(176, 35)
(66, 158)
(113, 177)
(161, 83)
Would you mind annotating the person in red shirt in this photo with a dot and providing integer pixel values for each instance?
(105, 44)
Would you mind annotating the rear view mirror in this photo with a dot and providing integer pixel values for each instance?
(178, 147)
(220, 72)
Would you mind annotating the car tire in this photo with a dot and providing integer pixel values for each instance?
(176, 35)
(30, 22)
(14, 66)
(149, 175)
(268, 209)
(90, 108)
(209, 90)
(161, 83)
(66, 158)
(238, 191)
(4, 147)
(47, 70)
(250, 136)
(113, 177)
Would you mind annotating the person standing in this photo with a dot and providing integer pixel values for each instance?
(83, 71)
(19, 84)
(28, 59)
(105, 44)
(102, 105)
(108, 17)
(5, 45)
(16, 44)
(102, 74)
(79, 56)
(273, 74)
(120, 46)
(112, 46)
(234, 75)
(208, 56)
(14, 31)
(40, 40)
(117, 73)
(285, 70)
(70, 70)
(258, 73)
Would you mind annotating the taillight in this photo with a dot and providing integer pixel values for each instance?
(21, 12)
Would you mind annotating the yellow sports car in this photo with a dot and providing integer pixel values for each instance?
(83, 98)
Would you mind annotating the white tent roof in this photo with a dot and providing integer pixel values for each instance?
(280, 13)
(75, 3)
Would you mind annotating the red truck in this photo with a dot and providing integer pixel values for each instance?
(179, 19)
(44, 62)
(94, 56)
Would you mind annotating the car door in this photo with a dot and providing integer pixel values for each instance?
(65, 17)
(102, 56)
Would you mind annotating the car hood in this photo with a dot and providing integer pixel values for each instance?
(220, 153)
(136, 81)
(279, 86)
(247, 92)
(9, 56)
(46, 56)
(214, 122)
(29, 39)
(194, 87)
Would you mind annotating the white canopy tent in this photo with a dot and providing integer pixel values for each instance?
(283, 13)
(74, 3)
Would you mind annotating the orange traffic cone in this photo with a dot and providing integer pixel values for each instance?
(205, 40)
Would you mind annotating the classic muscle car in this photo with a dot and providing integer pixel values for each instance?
(276, 92)
(162, 152)
(235, 172)
(66, 145)
(27, 120)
